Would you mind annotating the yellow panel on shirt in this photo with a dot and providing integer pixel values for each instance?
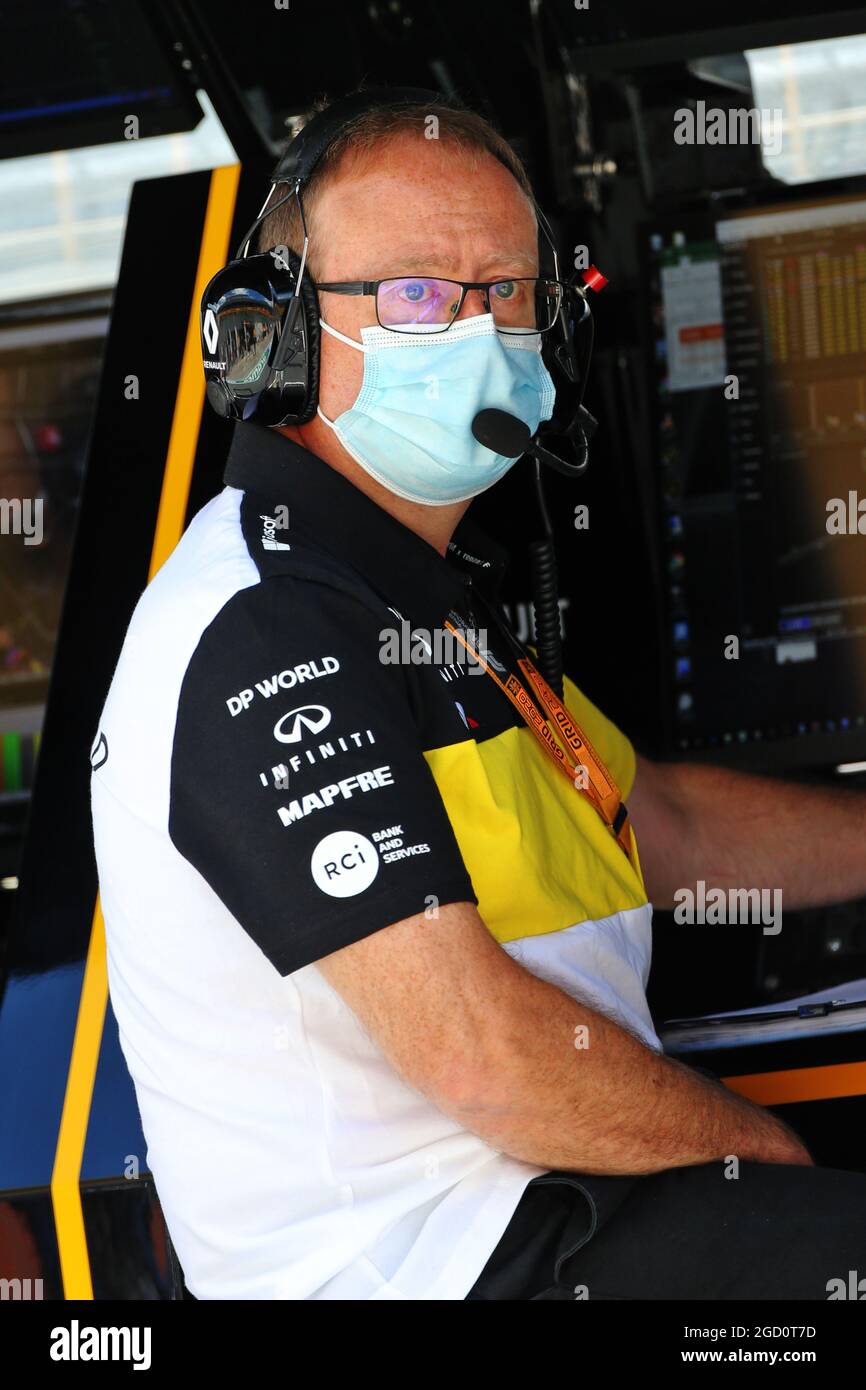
(540, 857)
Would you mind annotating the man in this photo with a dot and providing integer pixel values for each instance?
(378, 968)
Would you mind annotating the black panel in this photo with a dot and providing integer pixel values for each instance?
(110, 560)
(128, 1242)
(28, 1246)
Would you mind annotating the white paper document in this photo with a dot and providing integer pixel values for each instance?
(840, 1009)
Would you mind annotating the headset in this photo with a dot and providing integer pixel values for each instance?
(261, 338)
(260, 332)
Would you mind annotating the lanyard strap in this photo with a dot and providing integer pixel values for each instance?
(602, 792)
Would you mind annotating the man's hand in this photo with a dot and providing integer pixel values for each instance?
(734, 830)
(493, 1046)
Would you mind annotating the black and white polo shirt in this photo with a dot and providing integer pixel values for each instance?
(287, 765)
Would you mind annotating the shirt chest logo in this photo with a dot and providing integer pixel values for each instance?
(311, 719)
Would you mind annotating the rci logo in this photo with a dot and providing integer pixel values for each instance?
(344, 864)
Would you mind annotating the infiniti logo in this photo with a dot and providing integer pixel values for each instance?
(312, 718)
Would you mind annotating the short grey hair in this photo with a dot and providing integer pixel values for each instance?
(356, 147)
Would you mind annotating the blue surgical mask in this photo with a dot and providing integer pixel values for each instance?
(411, 425)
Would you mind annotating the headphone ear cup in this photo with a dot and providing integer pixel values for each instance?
(250, 376)
(313, 334)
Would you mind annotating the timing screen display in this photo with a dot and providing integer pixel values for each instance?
(759, 327)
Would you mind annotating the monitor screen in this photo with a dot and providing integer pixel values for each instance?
(758, 323)
(80, 71)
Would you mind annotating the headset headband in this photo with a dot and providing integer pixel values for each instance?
(304, 152)
(300, 159)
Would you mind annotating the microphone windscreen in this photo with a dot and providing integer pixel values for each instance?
(503, 433)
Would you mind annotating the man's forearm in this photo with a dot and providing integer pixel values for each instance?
(736, 830)
(575, 1090)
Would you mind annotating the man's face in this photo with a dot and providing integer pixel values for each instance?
(421, 208)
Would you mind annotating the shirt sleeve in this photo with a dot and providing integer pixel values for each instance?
(613, 747)
(299, 787)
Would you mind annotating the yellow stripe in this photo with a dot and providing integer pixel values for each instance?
(65, 1192)
(801, 1084)
(190, 396)
(65, 1177)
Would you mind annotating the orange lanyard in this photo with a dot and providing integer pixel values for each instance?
(603, 792)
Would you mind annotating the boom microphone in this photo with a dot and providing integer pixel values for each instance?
(507, 435)
(501, 432)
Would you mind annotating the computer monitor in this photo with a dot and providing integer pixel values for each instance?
(76, 73)
(758, 343)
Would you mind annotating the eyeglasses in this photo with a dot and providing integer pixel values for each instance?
(424, 304)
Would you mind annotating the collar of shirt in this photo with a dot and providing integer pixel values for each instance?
(329, 511)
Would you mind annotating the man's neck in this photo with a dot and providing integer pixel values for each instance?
(435, 525)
